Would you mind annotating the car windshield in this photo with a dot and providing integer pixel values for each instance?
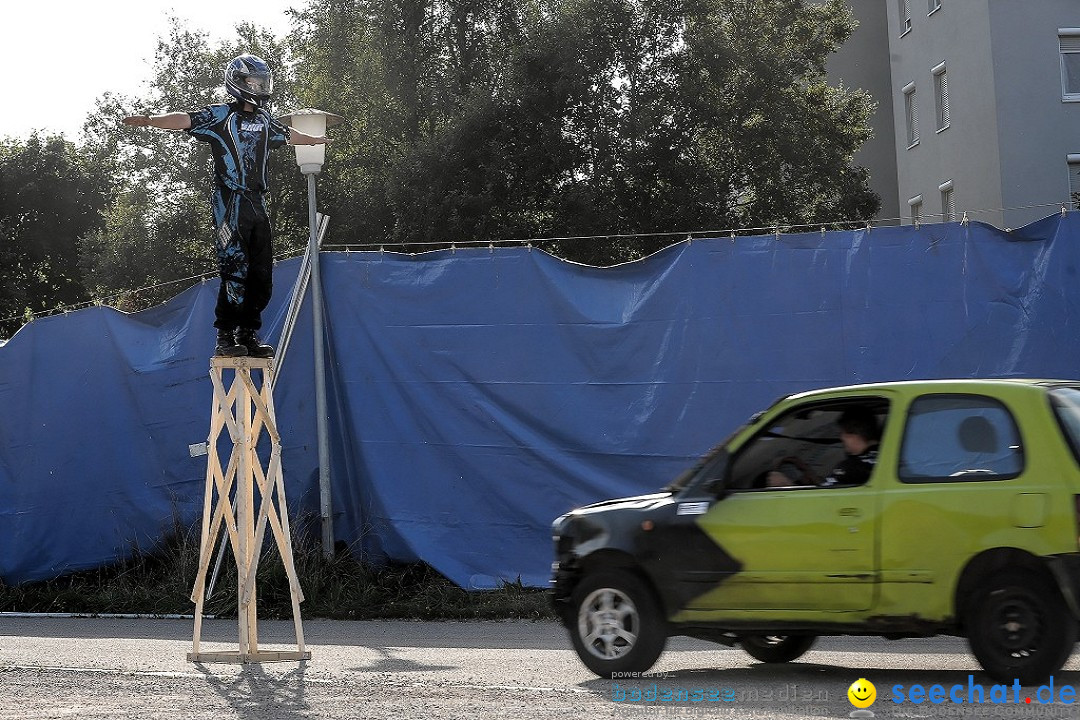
(714, 457)
(692, 472)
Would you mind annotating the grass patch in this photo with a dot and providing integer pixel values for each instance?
(341, 587)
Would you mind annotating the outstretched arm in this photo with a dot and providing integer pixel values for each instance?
(298, 138)
(168, 121)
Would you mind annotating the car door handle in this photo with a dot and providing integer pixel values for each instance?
(849, 512)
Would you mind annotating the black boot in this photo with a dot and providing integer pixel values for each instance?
(250, 342)
(227, 345)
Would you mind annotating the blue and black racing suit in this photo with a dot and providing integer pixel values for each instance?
(240, 142)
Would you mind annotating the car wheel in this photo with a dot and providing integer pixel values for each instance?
(1019, 627)
(617, 625)
(776, 648)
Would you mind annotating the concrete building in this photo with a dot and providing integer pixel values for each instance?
(978, 106)
(863, 63)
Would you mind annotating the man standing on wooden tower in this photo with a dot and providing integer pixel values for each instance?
(241, 135)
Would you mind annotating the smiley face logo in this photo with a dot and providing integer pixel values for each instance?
(862, 693)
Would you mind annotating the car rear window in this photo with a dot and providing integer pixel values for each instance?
(1066, 404)
(951, 438)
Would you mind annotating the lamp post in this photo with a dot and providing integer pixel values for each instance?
(310, 158)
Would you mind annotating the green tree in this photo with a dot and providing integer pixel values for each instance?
(49, 197)
(144, 244)
(484, 120)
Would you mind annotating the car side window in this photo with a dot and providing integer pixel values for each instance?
(950, 438)
(821, 444)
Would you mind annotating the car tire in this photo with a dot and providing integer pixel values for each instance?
(776, 648)
(1019, 627)
(616, 624)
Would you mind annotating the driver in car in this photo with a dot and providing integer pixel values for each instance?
(860, 434)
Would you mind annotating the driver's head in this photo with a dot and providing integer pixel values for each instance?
(858, 429)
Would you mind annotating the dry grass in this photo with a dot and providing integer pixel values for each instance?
(160, 582)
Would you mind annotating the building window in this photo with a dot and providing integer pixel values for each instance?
(1069, 46)
(915, 204)
(933, 6)
(911, 115)
(905, 15)
(1074, 180)
(941, 97)
(948, 202)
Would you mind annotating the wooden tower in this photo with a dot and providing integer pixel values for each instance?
(245, 498)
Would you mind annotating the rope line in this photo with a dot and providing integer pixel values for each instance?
(684, 234)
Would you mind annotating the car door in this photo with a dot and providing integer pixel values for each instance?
(802, 547)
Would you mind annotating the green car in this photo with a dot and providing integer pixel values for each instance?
(904, 509)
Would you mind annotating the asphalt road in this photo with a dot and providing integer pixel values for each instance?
(127, 669)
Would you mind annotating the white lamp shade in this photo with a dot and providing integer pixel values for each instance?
(312, 122)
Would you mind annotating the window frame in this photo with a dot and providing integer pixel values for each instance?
(904, 9)
(915, 207)
(911, 114)
(932, 7)
(947, 480)
(1072, 166)
(948, 208)
(1074, 49)
(942, 118)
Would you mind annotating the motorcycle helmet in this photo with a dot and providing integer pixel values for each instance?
(247, 78)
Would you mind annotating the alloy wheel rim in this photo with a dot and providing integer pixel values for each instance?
(608, 623)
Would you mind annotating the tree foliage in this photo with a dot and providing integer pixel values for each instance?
(49, 197)
(486, 120)
(467, 121)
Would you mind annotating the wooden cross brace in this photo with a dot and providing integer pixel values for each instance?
(245, 410)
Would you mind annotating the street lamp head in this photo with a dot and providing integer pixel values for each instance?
(312, 122)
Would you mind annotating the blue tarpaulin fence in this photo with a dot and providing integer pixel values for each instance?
(477, 394)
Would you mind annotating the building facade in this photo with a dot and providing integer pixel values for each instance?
(861, 63)
(981, 101)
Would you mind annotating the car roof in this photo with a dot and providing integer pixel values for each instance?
(974, 385)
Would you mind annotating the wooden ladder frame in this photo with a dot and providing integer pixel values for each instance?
(245, 411)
